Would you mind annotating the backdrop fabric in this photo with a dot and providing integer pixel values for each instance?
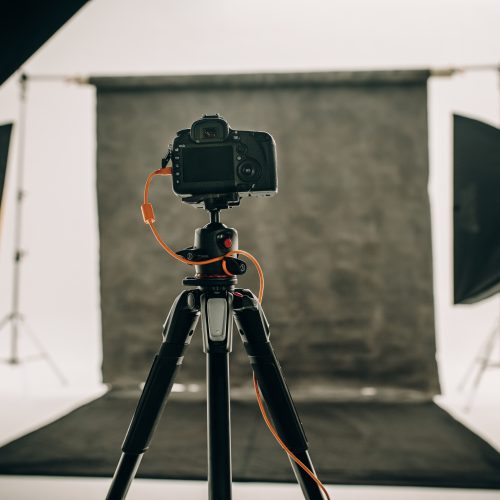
(345, 245)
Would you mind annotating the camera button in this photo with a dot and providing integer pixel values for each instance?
(249, 170)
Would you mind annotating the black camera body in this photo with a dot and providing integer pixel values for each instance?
(214, 165)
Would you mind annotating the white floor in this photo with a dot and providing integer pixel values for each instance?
(80, 489)
(22, 414)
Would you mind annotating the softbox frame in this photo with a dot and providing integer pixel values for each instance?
(5, 134)
(27, 25)
(476, 210)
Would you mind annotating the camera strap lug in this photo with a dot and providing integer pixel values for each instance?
(166, 158)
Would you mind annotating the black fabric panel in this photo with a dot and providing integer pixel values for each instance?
(5, 133)
(345, 245)
(353, 443)
(25, 25)
(476, 240)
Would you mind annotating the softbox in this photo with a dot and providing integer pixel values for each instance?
(26, 26)
(476, 242)
(5, 132)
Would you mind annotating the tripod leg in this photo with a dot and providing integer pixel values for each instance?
(254, 331)
(217, 340)
(177, 334)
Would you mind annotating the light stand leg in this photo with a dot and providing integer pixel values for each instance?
(17, 322)
(177, 333)
(477, 359)
(484, 362)
(254, 331)
(43, 352)
(5, 320)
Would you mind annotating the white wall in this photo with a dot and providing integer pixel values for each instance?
(60, 295)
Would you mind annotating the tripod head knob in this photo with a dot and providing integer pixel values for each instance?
(236, 266)
(211, 241)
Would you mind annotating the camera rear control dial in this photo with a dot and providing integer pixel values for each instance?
(249, 170)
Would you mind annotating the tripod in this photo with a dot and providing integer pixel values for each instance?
(216, 300)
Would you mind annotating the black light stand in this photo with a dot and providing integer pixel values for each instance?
(216, 300)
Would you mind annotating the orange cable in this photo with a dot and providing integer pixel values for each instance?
(282, 444)
(149, 218)
(276, 436)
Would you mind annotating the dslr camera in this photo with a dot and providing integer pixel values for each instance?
(214, 166)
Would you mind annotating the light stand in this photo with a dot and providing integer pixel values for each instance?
(481, 362)
(15, 319)
(484, 359)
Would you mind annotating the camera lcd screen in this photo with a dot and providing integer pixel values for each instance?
(208, 164)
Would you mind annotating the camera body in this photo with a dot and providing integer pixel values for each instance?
(211, 162)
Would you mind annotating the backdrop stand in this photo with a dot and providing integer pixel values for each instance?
(15, 319)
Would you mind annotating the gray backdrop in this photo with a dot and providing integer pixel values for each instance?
(345, 245)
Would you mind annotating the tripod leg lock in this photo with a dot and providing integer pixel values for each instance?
(182, 318)
(248, 311)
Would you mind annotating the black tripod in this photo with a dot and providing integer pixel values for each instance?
(217, 301)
